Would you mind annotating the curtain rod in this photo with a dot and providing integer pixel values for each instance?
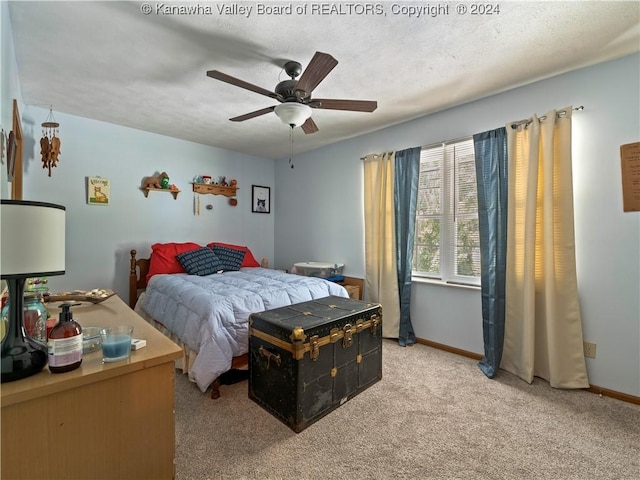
(559, 114)
(514, 125)
(376, 154)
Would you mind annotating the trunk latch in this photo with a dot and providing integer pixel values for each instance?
(315, 348)
(347, 340)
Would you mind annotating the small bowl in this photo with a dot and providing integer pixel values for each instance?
(91, 339)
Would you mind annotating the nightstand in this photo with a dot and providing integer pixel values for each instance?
(354, 287)
(353, 291)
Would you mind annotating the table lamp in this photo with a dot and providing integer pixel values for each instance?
(32, 244)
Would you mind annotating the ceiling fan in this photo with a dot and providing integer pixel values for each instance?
(295, 95)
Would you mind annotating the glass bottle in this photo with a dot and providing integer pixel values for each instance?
(65, 342)
(35, 316)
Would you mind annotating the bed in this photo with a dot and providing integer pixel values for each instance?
(208, 314)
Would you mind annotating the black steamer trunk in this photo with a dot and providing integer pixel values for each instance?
(308, 359)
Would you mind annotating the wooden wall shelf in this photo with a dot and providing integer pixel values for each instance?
(215, 189)
(172, 192)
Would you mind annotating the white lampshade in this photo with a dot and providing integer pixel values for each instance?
(293, 113)
(32, 239)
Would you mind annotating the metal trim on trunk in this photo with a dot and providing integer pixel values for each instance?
(298, 351)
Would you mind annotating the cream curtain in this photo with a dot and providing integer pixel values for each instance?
(381, 284)
(543, 325)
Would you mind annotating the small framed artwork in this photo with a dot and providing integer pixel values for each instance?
(630, 156)
(98, 191)
(260, 199)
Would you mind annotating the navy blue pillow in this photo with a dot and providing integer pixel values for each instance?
(230, 257)
(202, 261)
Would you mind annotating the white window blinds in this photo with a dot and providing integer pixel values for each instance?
(446, 244)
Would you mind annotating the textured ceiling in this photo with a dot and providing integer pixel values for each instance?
(109, 61)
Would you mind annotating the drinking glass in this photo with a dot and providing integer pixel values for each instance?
(116, 343)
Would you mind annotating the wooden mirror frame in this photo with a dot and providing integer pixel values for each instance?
(16, 184)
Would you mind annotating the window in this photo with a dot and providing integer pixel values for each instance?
(447, 240)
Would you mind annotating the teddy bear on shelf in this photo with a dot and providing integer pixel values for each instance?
(233, 182)
(156, 182)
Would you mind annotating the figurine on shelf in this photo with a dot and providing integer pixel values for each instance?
(164, 183)
(233, 182)
(223, 181)
(155, 182)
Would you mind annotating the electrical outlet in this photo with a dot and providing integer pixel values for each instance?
(589, 349)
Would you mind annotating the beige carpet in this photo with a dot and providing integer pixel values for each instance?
(434, 415)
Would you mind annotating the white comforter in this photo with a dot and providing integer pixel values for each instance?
(211, 314)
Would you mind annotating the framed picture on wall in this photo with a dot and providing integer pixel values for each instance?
(98, 191)
(260, 199)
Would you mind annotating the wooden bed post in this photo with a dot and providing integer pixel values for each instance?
(137, 277)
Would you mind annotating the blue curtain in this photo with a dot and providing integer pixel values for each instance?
(405, 191)
(491, 174)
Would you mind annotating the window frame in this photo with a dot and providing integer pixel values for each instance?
(447, 216)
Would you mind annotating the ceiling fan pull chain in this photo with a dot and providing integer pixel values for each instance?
(291, 146)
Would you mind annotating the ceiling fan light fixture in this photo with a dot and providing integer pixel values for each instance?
(293, 113)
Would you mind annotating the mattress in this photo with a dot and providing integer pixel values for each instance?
(210, 314)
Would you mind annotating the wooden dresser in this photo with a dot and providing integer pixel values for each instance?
(100, 421)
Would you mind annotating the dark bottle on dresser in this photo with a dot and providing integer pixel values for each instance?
(65, 342)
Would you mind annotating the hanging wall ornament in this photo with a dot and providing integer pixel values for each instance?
(50, 142)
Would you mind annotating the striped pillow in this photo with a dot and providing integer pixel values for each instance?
(230, 257)
(202, 261)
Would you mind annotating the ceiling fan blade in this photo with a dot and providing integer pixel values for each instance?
(309, 126)
(319, 67)
(223, 77)
(352, 105)
(257, 113)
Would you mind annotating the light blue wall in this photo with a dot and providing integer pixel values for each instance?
(9, 85)
(320, 212)
(99, 238)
